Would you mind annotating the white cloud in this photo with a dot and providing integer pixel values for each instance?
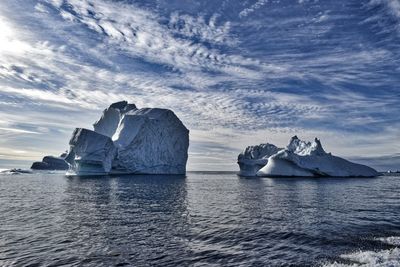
(9, 44)
(15, 130)
(393, 6)
(386, 15)
(205, 30)
(247, 11)
(138, 32)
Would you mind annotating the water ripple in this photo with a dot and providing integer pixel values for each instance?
(198, 220)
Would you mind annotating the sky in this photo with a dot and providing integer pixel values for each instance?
(237, 73)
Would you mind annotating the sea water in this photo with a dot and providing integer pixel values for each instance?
(201, 219)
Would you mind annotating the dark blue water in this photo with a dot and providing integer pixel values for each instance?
(202, 219)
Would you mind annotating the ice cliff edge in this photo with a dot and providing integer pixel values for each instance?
(299, 158)
(130, 140)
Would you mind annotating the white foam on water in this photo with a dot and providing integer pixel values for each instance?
(392, 240)
(382, 258)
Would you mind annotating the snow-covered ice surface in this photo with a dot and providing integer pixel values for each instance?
(130, 140)
(306, 159)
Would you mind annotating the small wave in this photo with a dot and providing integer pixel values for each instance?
(382, 258)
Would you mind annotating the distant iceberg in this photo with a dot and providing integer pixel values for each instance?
(299, 158)
(51, 163)
(130, 140)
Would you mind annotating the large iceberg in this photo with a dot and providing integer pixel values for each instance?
(130, 140)
(308, 159)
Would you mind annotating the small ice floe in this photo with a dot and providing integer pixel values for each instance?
(15, 171)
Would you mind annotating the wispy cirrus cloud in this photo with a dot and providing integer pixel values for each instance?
(204, 30)
(247, 11)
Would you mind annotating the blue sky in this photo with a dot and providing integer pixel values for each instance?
(236, 72)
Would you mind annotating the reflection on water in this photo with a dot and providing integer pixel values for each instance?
(129, 219)
(204, 218)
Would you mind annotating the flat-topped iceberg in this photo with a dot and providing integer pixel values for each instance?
(306, 159)
(130, 140)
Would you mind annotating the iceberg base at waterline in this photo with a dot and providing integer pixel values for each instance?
(309, 159)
